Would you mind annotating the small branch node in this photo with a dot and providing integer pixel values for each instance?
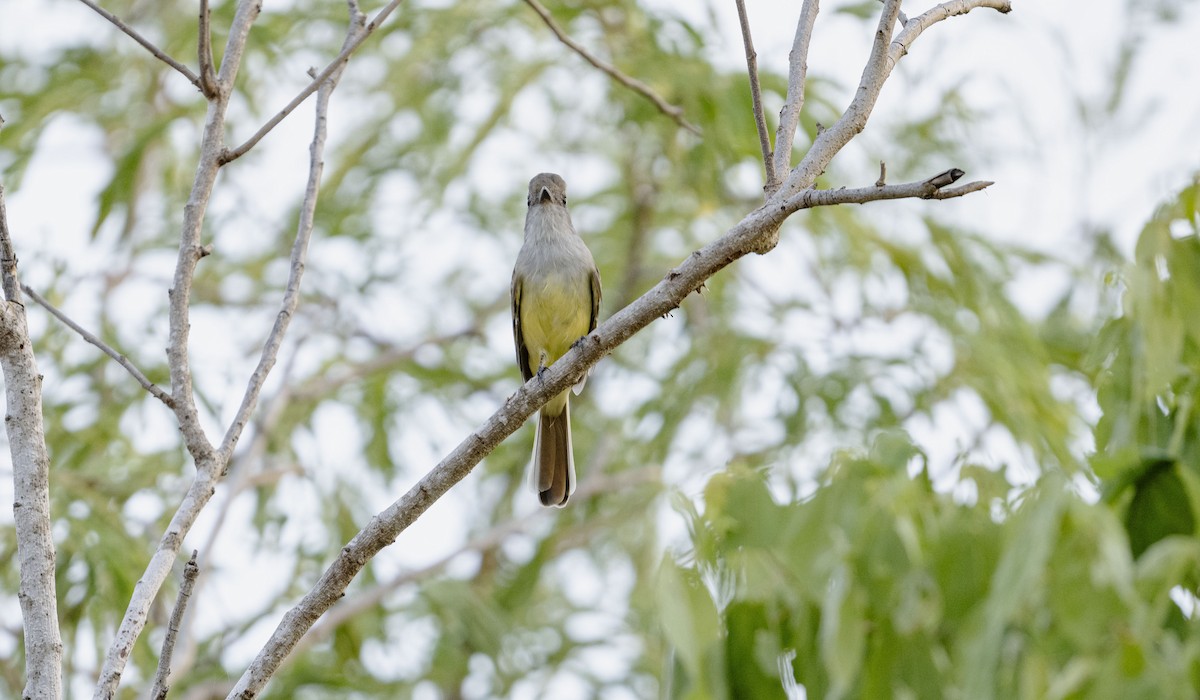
(882, 175)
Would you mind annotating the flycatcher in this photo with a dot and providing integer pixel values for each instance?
(555, 301)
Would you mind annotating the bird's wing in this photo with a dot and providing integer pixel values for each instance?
(518, 336)
(595, 282)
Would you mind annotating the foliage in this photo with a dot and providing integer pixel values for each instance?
(875, 571)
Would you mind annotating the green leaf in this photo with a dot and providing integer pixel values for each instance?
(1160, 507)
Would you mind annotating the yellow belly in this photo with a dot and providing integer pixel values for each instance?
(554, 314)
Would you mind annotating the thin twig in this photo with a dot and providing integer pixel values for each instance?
(672, 111)
(932, 188)
(915, 26)
(121, 359)
(190, 571)
(760, 120)
(133, 34)
(208, 75)
(951, 192)
(793, 105)
(318, 80)
(304, 228)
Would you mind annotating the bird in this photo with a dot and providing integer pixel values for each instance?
(555, 302)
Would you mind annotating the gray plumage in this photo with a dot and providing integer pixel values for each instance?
(555, 301)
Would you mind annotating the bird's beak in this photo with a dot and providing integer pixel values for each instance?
(545, 195)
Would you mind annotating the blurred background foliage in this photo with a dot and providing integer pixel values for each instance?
(761, 509)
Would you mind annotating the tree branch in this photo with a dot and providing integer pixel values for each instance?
(208, 77)
(879, 66)
(186, 412)
(793, 105)
(190, 571)
(133, 34)
(760, 120)
(336, 65)
(31, 484)
(672, 111)
(932, 188)
(291, 296)
(914, 27)
(121, 359)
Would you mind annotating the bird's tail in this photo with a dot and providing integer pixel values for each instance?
(553, 458)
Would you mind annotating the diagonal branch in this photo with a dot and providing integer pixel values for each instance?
(672, 111)
(335, 66)
(121, 359)
(133, 34)
(760, 120)
(31, 484)
(793, 105)
(291, 296)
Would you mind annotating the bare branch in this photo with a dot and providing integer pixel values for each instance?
(336, 65)
(914, 27)
(830, 141)
(208, 76)
(31, 484)
(931, 188)
(760, 120)
(789, 116)
(186, 412)
(879, 66)
(672, 111)
(291, 296)
(190, 571)
(133, 34)
(121, 359)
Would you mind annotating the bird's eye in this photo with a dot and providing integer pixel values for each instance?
(564, 200)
